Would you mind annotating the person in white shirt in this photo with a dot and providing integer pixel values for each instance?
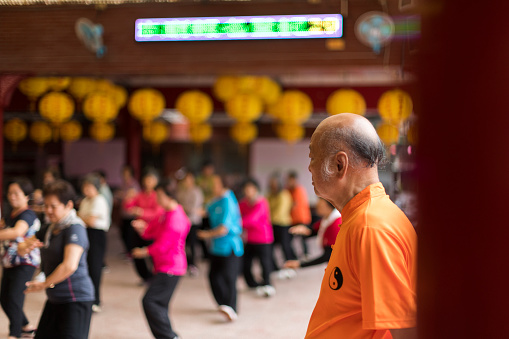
(95, 212)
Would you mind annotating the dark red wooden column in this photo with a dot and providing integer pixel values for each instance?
(133, 138)
(463, 170)
(8, 83)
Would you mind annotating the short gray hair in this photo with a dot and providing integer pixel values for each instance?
(363, 150)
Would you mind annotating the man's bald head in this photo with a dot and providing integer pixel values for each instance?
(351, 133)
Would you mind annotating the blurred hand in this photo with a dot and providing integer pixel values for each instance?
(300, 230)
(2, 224)
(139, 225)
(139, 252)
(203, 234)
(136, 211)
(35, 286)
(29, 245)
(292, 264)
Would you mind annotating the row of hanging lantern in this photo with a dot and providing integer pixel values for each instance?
(17, 130)
(99, 99)
(245, 99)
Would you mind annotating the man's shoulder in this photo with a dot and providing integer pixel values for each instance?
(381, 214)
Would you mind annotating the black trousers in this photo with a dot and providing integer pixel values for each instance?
(12, 296)
(143, 266)
(191, 242)
(95, 259)
(283, 237)
(156, 302)
(262, 252)
(223, 279)
(125, 234)
(65, 321)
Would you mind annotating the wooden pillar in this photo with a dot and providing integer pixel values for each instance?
(8, 83)
(133, 139)
(463, 170)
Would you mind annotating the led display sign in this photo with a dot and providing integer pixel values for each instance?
(310, 26)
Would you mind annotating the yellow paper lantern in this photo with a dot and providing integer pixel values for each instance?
(80, 87)
(290, 132)
(15, 130)
(100, 107)
(40, 132)
(200, 133)
(119, 94)
(295, 107)
(248, 84)
(195, 105)
(346, 101)
(388, 133)
(156, 132)
(243, 132)
(70, 131)
(268, 90)
(58, 83)
(146, 104)
(244, 107)
(395, 106)
(225, 87)
(33, 88)
(102, 132)
(56, 107)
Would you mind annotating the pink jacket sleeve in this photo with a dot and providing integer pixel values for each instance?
(152, 229)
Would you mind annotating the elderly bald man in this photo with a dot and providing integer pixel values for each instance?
(368, 290)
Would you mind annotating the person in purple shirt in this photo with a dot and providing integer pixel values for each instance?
(169, 232)
(259, 237)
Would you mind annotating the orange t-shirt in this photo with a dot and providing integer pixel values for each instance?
(301, 214)
(369, 285)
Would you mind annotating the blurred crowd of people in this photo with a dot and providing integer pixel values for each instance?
(55, 240)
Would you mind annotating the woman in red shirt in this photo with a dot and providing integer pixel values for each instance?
(326, 231)
(143, 206)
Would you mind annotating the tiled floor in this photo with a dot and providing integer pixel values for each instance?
(193, 311)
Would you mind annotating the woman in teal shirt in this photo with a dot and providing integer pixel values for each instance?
(226, 247)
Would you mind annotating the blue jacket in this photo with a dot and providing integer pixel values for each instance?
(225, 211)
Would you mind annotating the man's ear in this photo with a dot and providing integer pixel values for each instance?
(341, 164)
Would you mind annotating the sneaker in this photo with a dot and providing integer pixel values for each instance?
(269, 291)
(96, 309)
(228, 312)
(28, 333)
(260, 291)
(287, 273)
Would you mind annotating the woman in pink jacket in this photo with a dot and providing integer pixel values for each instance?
(254, 209)
(169, 232)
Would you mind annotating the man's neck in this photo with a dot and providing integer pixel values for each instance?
(357, 184)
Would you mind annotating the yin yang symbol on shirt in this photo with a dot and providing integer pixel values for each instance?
(336, 279)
